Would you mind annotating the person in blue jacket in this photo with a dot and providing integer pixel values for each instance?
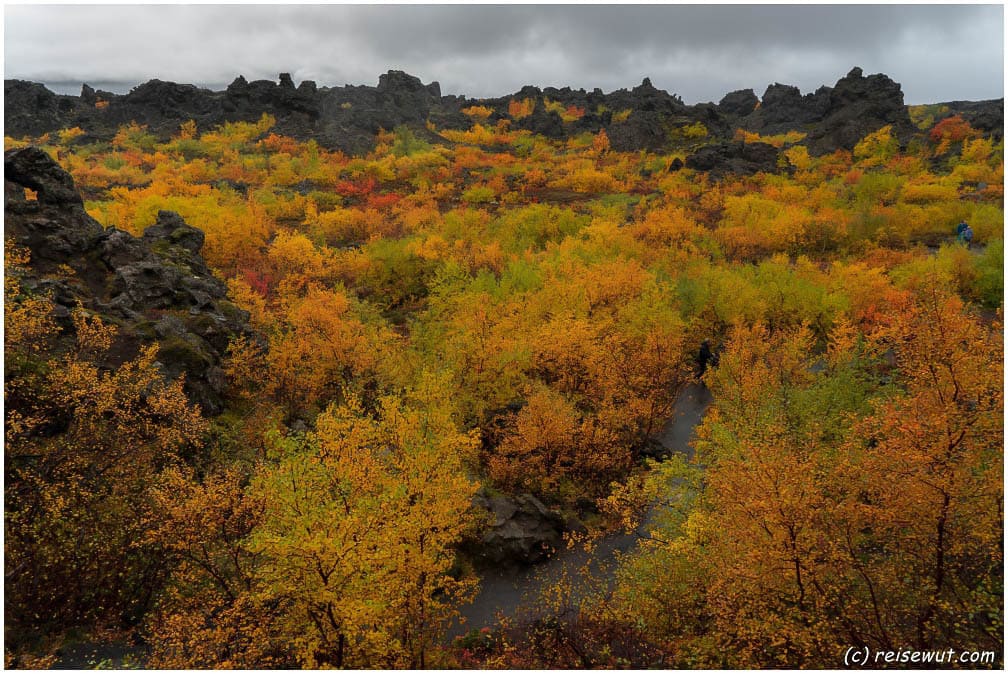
(967, 236)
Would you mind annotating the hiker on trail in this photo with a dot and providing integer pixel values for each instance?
(960, 228)
(967, 236)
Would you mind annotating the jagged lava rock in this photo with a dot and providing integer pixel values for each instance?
(739, 158)
(784, 109)
(347, 118)
(859, 106)
(31, 109)
(155, 288)
(522, 530)
(738, 103)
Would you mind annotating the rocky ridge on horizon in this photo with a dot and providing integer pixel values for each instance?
(347, 118)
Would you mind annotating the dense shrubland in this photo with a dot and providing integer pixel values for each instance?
(503, 310)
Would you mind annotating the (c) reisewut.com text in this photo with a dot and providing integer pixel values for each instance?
(863, 656)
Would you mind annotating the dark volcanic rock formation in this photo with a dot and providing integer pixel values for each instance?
(31, 109)
(857, 106)
(522, 530)
(643, 130)
(156, 288)
(783, 109)
(344, 118)
(348, 117)
(739, 158)
(834, 118)
(738, 103)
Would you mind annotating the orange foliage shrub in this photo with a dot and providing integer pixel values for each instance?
(601, 142)
(572, 113)
(665, 227)
(319, 346)
(950, 130)
(520, 109)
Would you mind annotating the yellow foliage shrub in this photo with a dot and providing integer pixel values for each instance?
(477, 111)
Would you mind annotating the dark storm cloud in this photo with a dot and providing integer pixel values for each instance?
(700, 52)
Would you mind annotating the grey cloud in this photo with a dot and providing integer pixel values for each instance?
(701, 52)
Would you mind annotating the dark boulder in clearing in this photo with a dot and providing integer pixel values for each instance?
(521, 531)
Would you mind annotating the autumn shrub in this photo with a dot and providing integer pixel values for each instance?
(666, 226)
(989, 286)
(285, 571)
(535, 225)
(384, 498)
(949, 131)
(693, 131)
(407, 144)
(478, 111)
(876, 148)
(519, 109)
(318, 347)
(397, 274)
(478, 194)
(917, 193)
(70, 136)
(621, 116)
(986, 220)
(778, 140)
(83, 447)
(589, 180)
(134, 135)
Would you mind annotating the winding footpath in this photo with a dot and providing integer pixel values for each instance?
(503, 592)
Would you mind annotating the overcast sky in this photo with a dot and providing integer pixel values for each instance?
(937, 52)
